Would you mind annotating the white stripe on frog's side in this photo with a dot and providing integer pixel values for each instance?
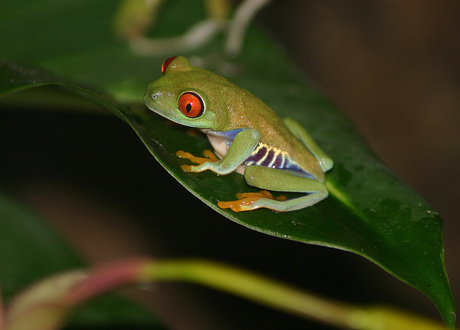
(269, 156)
(261, 149)
(266, 155)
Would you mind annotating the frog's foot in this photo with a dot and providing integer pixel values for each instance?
(209, 157)
(245, 201)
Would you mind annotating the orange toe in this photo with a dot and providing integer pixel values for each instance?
(246, 199)
(209, 156)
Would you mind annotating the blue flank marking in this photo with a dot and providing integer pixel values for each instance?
(228, 135)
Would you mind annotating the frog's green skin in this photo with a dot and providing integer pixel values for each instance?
(228, 107)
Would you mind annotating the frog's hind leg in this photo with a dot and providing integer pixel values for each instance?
(325, 161)
(278, 180)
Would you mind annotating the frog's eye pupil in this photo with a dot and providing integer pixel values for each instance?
(166, 63)
(191, 105)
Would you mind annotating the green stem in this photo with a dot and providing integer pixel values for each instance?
(280, 296)
(253, 287)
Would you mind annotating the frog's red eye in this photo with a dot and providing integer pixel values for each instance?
(166, 63)
(191, 104)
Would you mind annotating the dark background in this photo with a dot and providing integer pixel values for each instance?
(394, 67)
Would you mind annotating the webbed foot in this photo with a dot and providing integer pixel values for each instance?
(209, 157)
(245, 200)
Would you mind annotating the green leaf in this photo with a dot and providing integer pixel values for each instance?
(370, 211)
(30, 251)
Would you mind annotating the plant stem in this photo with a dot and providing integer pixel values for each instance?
(283, 297)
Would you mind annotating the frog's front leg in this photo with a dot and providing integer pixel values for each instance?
(278, 180)
(241, 148)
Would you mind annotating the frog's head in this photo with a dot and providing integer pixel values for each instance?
(187, 95)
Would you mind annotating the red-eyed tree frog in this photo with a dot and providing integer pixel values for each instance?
(246, 134)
